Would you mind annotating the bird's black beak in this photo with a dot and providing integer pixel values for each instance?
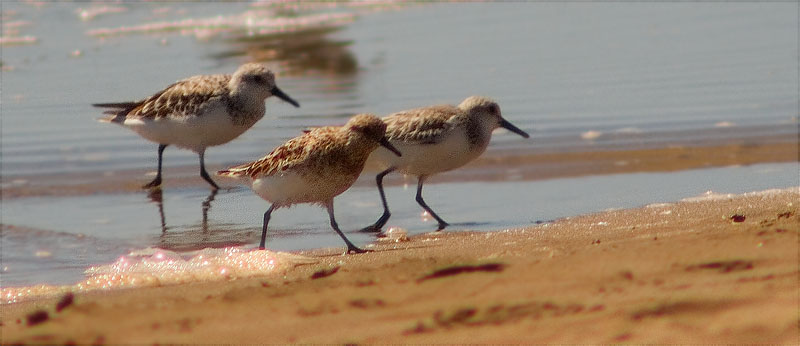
(508, 126)
(282, 95)
(385, 143)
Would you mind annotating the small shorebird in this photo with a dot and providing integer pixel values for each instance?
(315, 167)
(199, 111)
(436, 139)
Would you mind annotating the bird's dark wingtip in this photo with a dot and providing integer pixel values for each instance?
(121, 105)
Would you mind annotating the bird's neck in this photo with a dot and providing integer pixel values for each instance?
(359, 148)
(244, 108)
(479, 133)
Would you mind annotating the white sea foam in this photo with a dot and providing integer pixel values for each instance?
(708, 196)
(713, 196)
(157, 267)
(724, 124)
(86, 14)
(629, 130)
(207, 27)
(17, 40)
(590, 135)
(161, 267)
(394, 235)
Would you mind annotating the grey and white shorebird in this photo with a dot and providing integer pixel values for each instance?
(199, 112)
(315, 167)
(436, 139)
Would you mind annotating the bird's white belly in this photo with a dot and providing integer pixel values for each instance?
(426, 159)
(290, 188)
(192, 132)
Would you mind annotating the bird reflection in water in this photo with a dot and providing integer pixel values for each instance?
(194, 236)
(296, 53)
(156, 196)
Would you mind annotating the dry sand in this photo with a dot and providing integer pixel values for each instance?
(718, 270)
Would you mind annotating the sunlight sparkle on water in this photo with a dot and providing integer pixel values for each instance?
(425, 216)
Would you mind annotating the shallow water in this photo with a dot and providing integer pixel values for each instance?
(557, 70)
(79, 232)
(617, 74)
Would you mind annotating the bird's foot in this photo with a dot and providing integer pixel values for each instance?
(372, 229)
(378, 225)
(155, 183)
(355, 250)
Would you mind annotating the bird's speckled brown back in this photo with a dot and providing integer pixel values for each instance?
(340, 148)
(180, 99)
(423, 125)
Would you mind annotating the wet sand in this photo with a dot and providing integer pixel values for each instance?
(494, 165)
(718, 269)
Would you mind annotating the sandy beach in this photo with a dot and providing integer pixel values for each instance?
(715, 269)
(656, 200)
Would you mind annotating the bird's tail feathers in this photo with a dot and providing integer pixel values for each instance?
(117, 105)
(116, 111)
(235, 172)
(112, 118)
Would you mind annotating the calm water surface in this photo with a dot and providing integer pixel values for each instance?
(558, 70)
(667, 73)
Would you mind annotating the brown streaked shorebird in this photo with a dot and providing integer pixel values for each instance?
(315, 167)
(199, 111)
(436, 139)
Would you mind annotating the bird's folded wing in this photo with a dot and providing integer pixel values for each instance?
(181, 99)
(422, 125)
(293, 153)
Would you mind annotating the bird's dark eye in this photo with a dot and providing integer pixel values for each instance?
(259, 79)
(494, 109)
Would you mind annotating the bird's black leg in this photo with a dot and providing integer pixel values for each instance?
(442, 223)
(350, 247)
(203, 172)
(264, 228)
(157, 181)
(376, 227)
